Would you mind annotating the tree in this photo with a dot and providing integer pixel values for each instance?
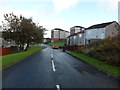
(22, 30)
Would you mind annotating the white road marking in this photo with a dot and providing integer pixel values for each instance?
(58, 87)
(53, 66)
(52, 56)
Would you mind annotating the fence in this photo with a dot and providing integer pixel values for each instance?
(73, 48)
(5, 51)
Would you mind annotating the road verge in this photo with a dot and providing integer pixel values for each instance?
(102, 66)
(9, 60)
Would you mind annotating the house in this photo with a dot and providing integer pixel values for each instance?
(101, 31)
(58, 34)
(92, 34)
(5, 46)
(76, 39)
(76, 29)
(4, 43)
(76, 36)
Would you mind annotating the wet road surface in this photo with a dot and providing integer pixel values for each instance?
(52, 68)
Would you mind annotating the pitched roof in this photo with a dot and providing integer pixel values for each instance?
(79, 26)
(102, 25)
(75, 34)
(58, 29)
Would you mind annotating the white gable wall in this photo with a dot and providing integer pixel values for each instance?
(111, 30)
(95, 33)
(62, 34)
(56, 34)
(68, 40)
(67, 34)
(81, 40)
(77, 29)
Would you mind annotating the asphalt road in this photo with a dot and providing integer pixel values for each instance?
(51, 68)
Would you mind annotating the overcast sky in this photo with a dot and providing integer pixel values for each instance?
(62, 13)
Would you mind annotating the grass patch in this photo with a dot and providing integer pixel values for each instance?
(11, 59)
(56, 43)
(113, 70)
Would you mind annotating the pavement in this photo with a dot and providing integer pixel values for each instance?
(53, 68)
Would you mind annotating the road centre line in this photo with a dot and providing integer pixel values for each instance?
(52, 56)
(58, 87)
(53, 66)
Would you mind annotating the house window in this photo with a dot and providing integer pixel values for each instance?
(96, 36)
(80, 35)
(88, 41)
(74, 37)
(89, 32)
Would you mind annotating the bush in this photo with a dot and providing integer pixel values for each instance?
(107, 50)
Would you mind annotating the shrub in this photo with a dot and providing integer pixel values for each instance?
(107, 50)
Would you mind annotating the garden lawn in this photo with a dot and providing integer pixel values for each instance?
(11, 59)
(56, 43)
(113, 70)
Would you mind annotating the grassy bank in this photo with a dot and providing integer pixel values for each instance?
(113, 70)
(11, 59)
(56, 43)
(106, 50)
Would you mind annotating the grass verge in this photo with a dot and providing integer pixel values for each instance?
(112, 70)
(11, 59)
(56, 43)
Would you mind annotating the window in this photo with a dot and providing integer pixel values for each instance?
(80, 35)
(88, 41)
(96, 36)
(89, 32)
(74, 37)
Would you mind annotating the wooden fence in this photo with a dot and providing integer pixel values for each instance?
(73, 48)
(5, 51)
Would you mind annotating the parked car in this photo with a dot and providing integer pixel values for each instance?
(55, 47)
(61, 47)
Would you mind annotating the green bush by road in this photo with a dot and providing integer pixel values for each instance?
(106, 50)
(113, 70)
(11, 59)
(57, 43)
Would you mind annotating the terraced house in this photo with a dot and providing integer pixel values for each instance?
(101, 31)
(77, 36)
(76, 29)
(58, 34)
(93, 33)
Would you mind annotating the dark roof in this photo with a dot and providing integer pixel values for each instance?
(66, 31)
(58, 29)
(102, 25)
(78, 26)
(75, 34)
